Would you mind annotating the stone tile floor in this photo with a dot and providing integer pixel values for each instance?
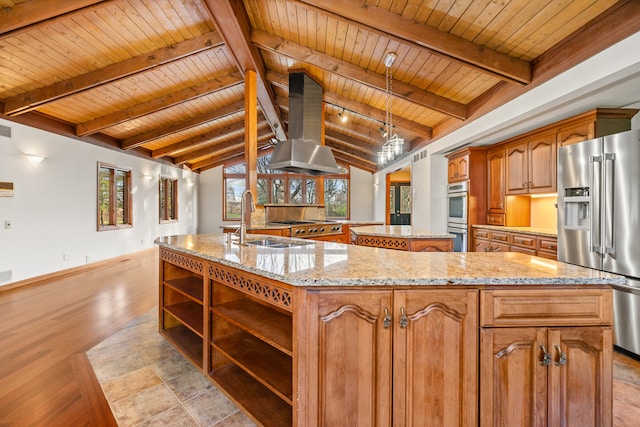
(148, 383)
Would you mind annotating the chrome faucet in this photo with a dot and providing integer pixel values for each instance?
(243, 222)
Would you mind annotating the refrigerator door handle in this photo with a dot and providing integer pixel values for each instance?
(608, 174)
(595, 245)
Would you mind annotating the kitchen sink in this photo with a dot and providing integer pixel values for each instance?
(273, 243)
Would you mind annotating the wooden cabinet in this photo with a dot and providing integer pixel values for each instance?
(531, 165)
(411, 244)
(383, 358)
(593, 124)
(535, 373)
(458, 168)
(496, 181)
(491, 240)
(282, 232)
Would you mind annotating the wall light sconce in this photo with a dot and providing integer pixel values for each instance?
(35, 159)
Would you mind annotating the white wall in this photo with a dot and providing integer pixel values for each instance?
(53, 212)
(361, 195)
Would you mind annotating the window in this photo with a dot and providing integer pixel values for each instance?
(168, 200)
(336, 197)
(280, 187)
(114, 197)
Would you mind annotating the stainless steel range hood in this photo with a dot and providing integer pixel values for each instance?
(302, 152)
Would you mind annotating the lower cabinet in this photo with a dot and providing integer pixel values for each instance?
(383, 358)
(538, 375)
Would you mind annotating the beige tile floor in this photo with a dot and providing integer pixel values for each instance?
(148, 383)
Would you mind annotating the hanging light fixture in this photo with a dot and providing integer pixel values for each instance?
(393, 145)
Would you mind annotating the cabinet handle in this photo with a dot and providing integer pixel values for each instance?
(403, 318)
(546, 358)
(562, 356)
(386, 322)
(501, 206)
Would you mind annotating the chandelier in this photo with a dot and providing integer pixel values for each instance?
(393, 145)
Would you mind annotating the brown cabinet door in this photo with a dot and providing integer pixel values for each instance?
(480, 245)
(435, 358)
(453, 170)
(513, 383)
(347, 359)
(517, 164)
(580, 377)
(542, 164)
(458, 168)
(577, 133)
(495, 180)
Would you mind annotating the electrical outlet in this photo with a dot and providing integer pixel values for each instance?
(7, 224)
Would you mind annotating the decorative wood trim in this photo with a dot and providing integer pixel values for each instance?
(257, 288)
(383, 242)
(188, 263)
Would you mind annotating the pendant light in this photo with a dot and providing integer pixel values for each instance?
(393, 145)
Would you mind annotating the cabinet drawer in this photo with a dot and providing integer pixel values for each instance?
(495, 219)
(546, 307)
(480, 233)
(499, 236)
(548, 245)
(498, 247)
(524, 241)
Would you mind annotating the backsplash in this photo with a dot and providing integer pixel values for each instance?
(544, 213)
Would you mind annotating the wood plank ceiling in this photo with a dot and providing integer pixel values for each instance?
(164, 79)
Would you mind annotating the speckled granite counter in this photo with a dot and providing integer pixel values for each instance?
(547, 232)
(405, 231)
(333, 264)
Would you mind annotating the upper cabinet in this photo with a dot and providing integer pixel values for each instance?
(594, 124)
(531, 165)
(459, 167)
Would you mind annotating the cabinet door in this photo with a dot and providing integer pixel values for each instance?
(452, 173)
(463, 168)
(577, 133)
(495, 180)
(517, 164)
(513, 383)
(346, 359)
(435, 358)
(580, 377)
(480, 245)
(542, 164)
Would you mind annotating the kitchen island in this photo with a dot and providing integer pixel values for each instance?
(402, 237)
(306, 333)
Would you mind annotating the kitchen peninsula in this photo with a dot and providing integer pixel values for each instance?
(402, 237)
(307, 333)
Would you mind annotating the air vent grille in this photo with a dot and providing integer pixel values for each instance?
(5, 131)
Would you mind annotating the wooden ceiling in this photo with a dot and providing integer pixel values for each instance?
(164, 79)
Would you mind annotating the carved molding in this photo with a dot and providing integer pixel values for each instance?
(259, 289)
(183, 261)
(382, 242)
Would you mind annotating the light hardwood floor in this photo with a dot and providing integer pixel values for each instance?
(45, 330)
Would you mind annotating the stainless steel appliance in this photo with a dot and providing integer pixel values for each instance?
(303, 220)
(457, 214)
(599, 219)
(311, 229)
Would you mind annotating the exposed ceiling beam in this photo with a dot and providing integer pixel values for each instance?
(358, 74)
(31, 12)
(505, 67)
(370, 136)
(237, 152)
(208, 137)
(353, 160)
(360, 108)
(157, 104)
(358, 147)
(160, 132)
(233, 24)
(213, 149)
(35, 98)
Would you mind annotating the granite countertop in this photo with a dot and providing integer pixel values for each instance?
(400, 231)
(547, 232)
(333, 264)
(350, 223)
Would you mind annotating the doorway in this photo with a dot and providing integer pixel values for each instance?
(398, 209)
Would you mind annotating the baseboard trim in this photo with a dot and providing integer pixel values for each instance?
(69, 271)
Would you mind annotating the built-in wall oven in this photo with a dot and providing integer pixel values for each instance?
(457, 223)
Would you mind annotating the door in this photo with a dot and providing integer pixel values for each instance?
(621, 200)
(542, 164)
(435, 358)
(348, 349)
(579, 189)
(400, 203)
(513, 377)
(517, 165)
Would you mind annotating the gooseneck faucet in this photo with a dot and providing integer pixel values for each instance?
(243, 222)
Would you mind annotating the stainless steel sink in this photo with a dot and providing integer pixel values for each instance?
(273, 243)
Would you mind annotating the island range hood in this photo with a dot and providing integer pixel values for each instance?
(302, 152)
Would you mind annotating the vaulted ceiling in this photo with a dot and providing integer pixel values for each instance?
(165, 79)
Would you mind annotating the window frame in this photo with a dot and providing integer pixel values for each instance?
(127, 199)
(164, 210)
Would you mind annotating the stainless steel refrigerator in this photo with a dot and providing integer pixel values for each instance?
(599, 220)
